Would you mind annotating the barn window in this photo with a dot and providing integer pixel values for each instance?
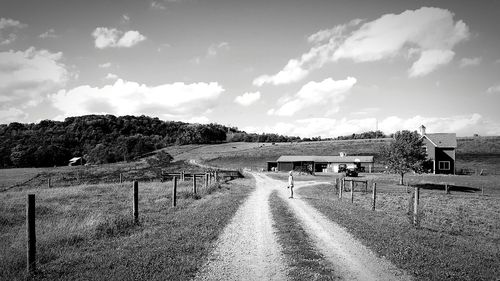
(444, 165)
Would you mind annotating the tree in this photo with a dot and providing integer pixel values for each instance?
(405, 154)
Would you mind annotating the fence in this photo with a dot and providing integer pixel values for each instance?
(402, 197)
(210, 179)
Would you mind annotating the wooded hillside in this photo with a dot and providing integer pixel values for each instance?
(107, 139)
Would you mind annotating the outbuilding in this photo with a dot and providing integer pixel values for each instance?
(76, 161)
(321, 164)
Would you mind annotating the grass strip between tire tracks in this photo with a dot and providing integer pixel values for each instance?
(304, 260)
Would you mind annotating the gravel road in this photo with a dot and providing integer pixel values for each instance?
(247, 249)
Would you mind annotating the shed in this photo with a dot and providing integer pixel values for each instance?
(76, 161)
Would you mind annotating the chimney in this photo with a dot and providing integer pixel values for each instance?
(422, 130)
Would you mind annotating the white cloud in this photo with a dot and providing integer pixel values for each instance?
(493, 89)
(105, 65)
(426, 32)
(125, 18)
(111, 76)
(51, 33)
(328, 92)
(330, 127)
(8, 29)
(247, 98)
(125, 97)
(292, 72)
(429, 60)
(464, 62)
(114, 38)
(26, 77)
(157, 5)
(325, 35)
(214, 48)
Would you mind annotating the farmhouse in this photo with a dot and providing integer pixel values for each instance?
(320, 164)
(440, 150)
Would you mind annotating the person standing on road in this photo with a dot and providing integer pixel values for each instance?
(290, 184)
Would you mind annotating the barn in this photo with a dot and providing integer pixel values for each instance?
(320, 164)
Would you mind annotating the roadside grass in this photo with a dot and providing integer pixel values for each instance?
(459, 237)
(88, 232)
(304, 260)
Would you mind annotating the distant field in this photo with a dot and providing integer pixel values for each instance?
(475, 154)
(77, 175)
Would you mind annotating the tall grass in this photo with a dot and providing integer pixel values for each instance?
(458, 238)
(88, 231)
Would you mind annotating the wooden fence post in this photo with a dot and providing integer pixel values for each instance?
(194, 183)
(216, 176)
(206, 180)
(136, 201)
(121, 178)
(183, 176)
(374, 195)
(352, 191)
(446, 188)
(341, 188)
(31, 235)
(174, 192)
(49, 182)
(415, 206)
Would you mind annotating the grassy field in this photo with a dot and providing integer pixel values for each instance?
(459, 238)
(476, 154)
(87, 231)
(27, 178)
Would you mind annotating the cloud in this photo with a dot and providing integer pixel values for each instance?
(328, 92)
(27, 77)
(330, 127)
(158, 5)
(114, 38)
(429, 60)
(8, 29)
(493, 89)
(214, 48)
(247, 98)
(429, 33)
(125, 18)
(464, 62)
(48, 34)
(105, 65)
(125, 97)
(111, 76)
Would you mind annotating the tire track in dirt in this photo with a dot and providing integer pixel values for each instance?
(248, 248)
(351, 259)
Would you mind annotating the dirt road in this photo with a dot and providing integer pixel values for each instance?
(248, 250)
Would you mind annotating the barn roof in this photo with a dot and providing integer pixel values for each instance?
(443, 139)
(328, 159)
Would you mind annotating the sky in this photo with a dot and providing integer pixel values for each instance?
(300, 68)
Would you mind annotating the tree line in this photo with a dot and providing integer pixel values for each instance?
(107, 139)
